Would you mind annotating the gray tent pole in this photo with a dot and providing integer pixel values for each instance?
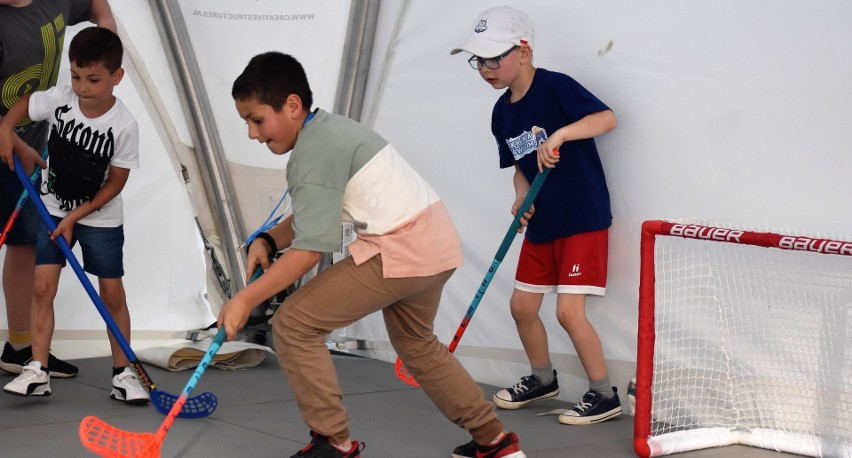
(357, 51)
(216, 177)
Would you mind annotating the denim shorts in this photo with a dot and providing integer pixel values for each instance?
(102, 249)
(28, 222)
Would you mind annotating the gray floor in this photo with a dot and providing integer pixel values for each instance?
(257, 416)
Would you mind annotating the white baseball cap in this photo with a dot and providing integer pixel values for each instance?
(496, 30)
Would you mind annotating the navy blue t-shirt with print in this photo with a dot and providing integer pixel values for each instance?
(574, 198)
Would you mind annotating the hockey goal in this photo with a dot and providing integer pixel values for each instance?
(745, 337)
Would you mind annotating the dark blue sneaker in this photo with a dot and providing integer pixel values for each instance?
(319, 447)
(594, 408)
(529, 389)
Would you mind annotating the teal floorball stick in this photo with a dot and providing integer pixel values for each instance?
(401, 372)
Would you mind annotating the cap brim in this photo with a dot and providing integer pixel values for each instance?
(482, 47)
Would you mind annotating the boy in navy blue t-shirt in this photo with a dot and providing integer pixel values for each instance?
(545, 118)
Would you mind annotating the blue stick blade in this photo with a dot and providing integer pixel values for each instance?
(196, 407)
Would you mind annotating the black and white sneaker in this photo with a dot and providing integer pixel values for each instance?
(594, 408)
(508, 447)
(467, 450)
(59, 368)
(126, 387)
(528, 390)
(31, 382)
(319, 447)
(13, 362)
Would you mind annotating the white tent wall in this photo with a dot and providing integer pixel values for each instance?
(731, 111)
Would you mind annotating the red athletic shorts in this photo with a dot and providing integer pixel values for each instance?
(573, 265)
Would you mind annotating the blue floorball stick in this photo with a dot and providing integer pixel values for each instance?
(199, 406)
(109, 441)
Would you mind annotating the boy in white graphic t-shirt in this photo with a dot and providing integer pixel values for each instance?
(94, 142)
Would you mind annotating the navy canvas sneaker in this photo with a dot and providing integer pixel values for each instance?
(529, 389)
(594, 408)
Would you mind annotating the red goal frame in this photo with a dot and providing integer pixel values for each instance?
(646, 324)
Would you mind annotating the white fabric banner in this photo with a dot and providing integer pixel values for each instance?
(226, 35)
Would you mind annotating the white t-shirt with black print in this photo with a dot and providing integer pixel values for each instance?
(81, 150)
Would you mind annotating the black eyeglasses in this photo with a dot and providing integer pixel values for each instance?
(493, 63)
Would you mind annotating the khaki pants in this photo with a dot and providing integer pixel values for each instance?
(343, 294)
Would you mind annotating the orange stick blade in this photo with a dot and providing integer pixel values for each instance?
(403, 374)
(109, 441)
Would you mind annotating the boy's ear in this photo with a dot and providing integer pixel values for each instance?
(293, 105)
(526, 53)
(118, 76)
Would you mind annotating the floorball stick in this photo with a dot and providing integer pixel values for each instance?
(401, 372)
(200, 406)
(109, 441)
(20, 204)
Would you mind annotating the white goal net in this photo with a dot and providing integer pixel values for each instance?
(745, 338)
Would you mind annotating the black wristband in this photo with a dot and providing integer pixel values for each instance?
(269, 241)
